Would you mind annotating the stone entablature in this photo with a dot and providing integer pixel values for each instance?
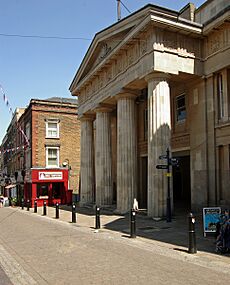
(218, 40)
(139, 57)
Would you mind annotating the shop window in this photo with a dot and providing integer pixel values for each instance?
(42, 190)
(52, 129)
(52, 157)
(220, 95)
(56, 190)
(180, 108)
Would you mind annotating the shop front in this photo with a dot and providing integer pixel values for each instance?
(50, 185)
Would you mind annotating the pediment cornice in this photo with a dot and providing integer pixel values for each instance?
(109, 43)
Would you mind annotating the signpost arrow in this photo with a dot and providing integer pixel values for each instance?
(174, 161)
(163, 157)
(162, 166)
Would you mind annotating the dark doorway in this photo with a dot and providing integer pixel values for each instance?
(182, 184)
(56, 190)
(142, 194)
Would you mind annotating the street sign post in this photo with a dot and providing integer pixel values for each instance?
(162, 166)
(170, 162)
(163, 157)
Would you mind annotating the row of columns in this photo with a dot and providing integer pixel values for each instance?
(159, 127)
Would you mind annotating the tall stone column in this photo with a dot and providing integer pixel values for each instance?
(159, 137)
(87, 161)
(104, 187)
(126, 151)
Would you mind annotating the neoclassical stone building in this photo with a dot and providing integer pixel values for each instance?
(157, 79)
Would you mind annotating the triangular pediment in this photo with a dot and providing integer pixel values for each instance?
(119, 38)
(103, 49)
(106, 41)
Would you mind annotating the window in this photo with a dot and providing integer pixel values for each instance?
(27, 158)
(42, 190)
(220, 95)
(52, 157)
(146, 124)
(180, 108)
(52, 129)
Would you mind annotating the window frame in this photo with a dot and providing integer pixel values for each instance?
(52, 121)
(220, 95)
(47, 156)
(145, 124)
(177, 109)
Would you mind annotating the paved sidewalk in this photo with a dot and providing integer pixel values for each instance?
(173, 235)
(43, 250)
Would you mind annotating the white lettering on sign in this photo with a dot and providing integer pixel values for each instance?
(50, 176)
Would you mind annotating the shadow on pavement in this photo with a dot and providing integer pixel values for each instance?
(174, 233)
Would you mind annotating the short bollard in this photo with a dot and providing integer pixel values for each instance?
(28, 205)
(44, 208)
(98, 222)
(35, 206)
(22, 204)
(57, 211)
(73, 213)
(133, 223)
(192, 233)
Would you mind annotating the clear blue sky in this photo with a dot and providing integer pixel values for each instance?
(43, 68)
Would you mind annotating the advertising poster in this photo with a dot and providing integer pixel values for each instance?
(211, 216)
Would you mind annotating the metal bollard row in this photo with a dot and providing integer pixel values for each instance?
(192, 234)
(97, 220)
(73, 213)
(35, 206)
(57, 211)
(132, 223)
(44, 208)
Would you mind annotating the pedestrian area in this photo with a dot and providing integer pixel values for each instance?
(38, 249)
(173, 235)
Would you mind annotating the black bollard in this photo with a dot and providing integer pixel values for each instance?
(57, 211)
(44, 208)
(28, 205)
(35, 206)
(73, 213)
(22, 204)
(132, 223)
(98, 222)
(192, 234)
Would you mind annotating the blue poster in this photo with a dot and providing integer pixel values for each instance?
(211, 216)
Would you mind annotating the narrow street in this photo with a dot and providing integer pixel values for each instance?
(42, 250)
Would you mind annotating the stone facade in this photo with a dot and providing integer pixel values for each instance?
(157, 79)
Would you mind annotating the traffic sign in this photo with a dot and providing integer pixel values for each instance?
(162, 166)
(163, 157)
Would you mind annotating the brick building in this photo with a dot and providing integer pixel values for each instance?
(11, 156)
(48, 153)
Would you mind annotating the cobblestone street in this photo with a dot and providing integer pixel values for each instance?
(42, 250)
